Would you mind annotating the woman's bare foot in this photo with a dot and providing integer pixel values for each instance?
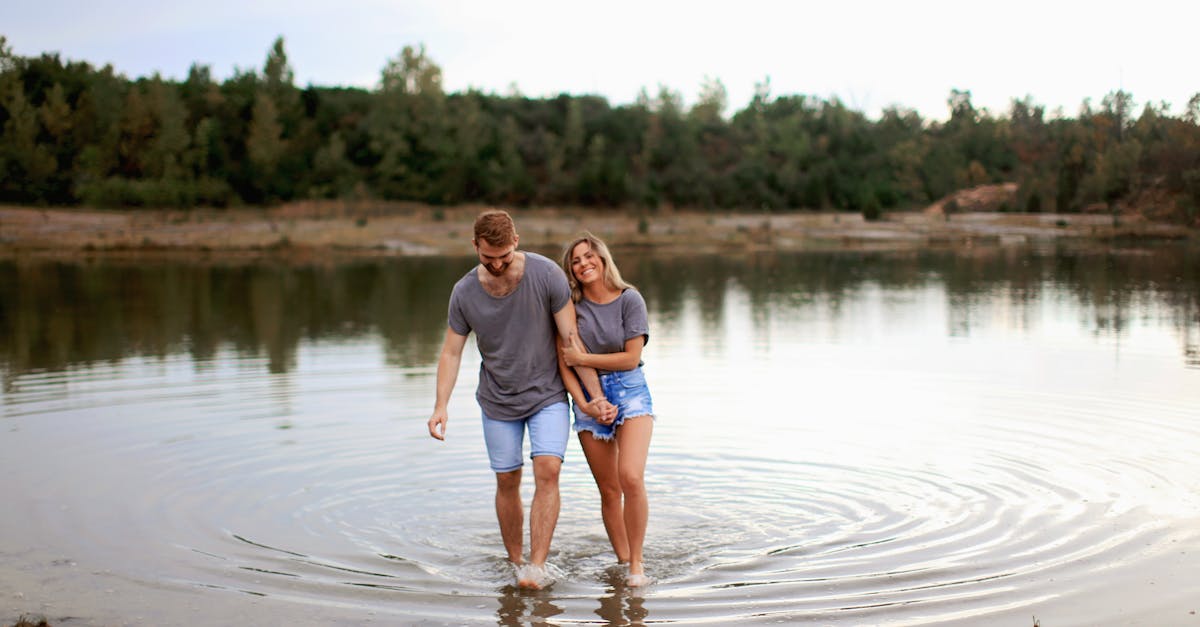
(637, 580)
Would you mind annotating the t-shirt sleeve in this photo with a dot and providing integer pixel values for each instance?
(558, 291)
(633, 313)
(456, 318)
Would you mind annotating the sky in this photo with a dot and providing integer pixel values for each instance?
(870, 54)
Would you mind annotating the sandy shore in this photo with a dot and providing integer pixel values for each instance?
(406, 229)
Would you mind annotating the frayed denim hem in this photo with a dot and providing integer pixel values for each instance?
(592, 427)
(604, 437)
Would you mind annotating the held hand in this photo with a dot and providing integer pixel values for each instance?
(594, 408)
(437, 424)
(606, 412)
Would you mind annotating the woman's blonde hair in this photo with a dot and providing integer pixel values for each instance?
(612, 276)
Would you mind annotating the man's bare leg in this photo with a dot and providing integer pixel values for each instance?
(543, 515)
(510, 512)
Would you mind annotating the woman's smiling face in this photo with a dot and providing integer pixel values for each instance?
(586, 265)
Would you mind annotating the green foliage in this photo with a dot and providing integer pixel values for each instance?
(265, 146)
(27, 165)
(412, 73)
(872, 208)
(156, 193)
(72, 133)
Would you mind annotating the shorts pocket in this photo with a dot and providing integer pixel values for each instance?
(633, 378)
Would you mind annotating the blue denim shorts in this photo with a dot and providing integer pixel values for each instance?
(627, 390)
(505, 439)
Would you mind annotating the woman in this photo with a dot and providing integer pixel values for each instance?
(613, 328)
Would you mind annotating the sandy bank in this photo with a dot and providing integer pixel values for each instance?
(404, 229)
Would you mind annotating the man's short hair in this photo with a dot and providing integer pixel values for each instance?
(495, 227)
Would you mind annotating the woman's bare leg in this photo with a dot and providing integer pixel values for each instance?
(633, 446)
(602, 459)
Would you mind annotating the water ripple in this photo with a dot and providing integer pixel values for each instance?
(322, 488)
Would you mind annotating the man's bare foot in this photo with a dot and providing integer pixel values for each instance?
(533, 576)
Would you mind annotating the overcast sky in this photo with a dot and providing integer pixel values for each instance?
(870, 54)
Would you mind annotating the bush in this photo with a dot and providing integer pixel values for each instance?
(1033, 204)
(118, 192)
(872, 209)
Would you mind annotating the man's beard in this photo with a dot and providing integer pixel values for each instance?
(495, 272)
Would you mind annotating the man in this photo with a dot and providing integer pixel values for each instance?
(515, 302)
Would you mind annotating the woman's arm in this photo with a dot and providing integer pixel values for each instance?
(571, 382)
(569, 333)
(627, 359)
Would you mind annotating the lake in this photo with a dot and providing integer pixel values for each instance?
(993, 436)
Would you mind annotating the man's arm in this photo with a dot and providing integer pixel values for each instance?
(569, 334)
(447, 374)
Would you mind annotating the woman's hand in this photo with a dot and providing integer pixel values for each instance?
(572, 356)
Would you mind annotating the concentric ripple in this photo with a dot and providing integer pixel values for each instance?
(321, 488)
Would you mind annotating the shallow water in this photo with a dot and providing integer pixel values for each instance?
(843, 438)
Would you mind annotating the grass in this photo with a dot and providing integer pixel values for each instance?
(31, 621)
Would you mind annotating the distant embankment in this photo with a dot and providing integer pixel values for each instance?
(369, 228)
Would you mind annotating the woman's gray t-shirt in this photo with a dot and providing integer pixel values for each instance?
(516, 335)
(604, 328)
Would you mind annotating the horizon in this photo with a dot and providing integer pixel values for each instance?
(910, 56)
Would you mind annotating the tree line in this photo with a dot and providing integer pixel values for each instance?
(76, 134)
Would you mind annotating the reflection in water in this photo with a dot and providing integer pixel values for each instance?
(55, 315)
(1111, 288)
(521, 607)
(846, 437)
(623, 605)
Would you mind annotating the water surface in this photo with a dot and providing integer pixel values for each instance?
(848, 438)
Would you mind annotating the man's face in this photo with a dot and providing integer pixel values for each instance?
(496, 259)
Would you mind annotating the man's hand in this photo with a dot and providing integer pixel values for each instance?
(437, 424)
(447, 372)
(603, 411)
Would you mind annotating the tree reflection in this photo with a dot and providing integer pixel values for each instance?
(54, 315)
(1110, 287)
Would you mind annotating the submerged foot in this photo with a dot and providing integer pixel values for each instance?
(637, 580)
(533, 576)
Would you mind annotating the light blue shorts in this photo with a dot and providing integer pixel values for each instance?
(627, 390)
(549, 429)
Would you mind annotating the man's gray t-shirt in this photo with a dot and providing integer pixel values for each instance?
(605, 328)
(516, 338)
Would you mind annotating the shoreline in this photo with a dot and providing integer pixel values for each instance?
(404, 229)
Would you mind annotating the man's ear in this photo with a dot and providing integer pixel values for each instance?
(516, 241)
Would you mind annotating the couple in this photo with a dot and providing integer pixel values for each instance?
(542, 334)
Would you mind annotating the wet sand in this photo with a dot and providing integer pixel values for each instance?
(396, 229)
